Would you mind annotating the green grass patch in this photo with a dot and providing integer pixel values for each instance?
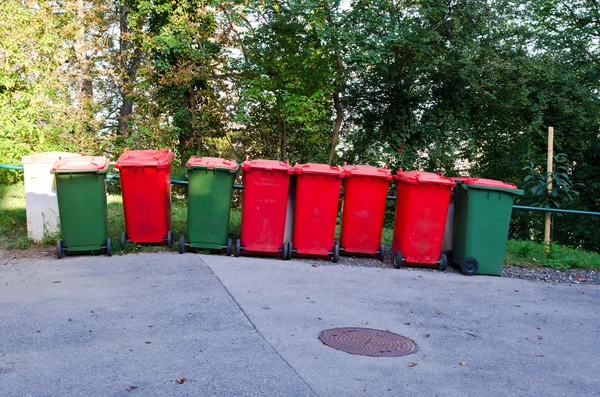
(13, 219)
(529, 253)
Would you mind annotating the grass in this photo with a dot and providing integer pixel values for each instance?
(530, 253)
(13, 234)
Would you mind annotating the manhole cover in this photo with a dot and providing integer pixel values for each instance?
(368, 342)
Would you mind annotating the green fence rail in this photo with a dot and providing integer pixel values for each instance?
(236, 186)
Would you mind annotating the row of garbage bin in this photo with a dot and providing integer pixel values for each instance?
(284, 216)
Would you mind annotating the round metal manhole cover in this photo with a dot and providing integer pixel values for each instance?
(368, 342)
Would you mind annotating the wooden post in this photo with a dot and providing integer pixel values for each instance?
(548, 223)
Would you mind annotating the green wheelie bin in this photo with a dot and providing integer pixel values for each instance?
(209, 201)
(81, 193)
(482, 210)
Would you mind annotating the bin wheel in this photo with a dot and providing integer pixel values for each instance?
(181, 247)
(169, 239)
(123, 239)
(229, 247)
(108, 247)
(285, 251)
(443, 265)
(449, 257)
(336, 251)
(60, 252)
(238, 248)
(381, 253)
(290, 250)
(398, 260)
(469, 266)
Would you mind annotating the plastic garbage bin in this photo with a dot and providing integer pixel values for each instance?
(482, 210)
(265, 199)
(146, 189)
(422, 202)
(317, 199)
(209, 201)
(365, 195)
(40, 194)
(81, 192)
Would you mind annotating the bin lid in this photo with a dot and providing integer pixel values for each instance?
(267, 165)
(422, 177)
(488, 183)
(46, 157)
(97, 164)
(368, 171)
(213, 163)
(320, 169)
(145, 158)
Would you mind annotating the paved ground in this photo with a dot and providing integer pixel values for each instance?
(247, 326)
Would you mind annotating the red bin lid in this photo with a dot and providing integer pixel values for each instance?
(368, 171)
(486, 182)
(97, 164)
(422, 177)
(267, 165)
(145, 158)
(321, 169)
(213, 163)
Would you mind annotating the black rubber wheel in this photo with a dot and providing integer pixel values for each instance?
(381, 254)
(108, 247)
(181, 247)
(290, 250)
(449, 257)
(238, 248)
(59, 249)
(285, 251)
(469, 266)
(229, 247)
(336, 252)
(123, 239)
(443, 263)
(398, 260)
(169, 239)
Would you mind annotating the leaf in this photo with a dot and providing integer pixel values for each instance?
(462, 363)
(412, 365)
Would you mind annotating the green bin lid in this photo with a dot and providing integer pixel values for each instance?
(491, 184)
(212, 163)
(80, 164)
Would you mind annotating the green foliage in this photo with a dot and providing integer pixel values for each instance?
(536, 184)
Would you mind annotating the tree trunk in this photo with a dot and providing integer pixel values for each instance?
(339, 118)
(337, 103)
(127, 69)
(85, 83)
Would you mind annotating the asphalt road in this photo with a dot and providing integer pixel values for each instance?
(173, 325)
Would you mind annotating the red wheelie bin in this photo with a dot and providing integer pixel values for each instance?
(146, 189)
(317, 199)
(422, 201)
(264, 207)
(365, 195)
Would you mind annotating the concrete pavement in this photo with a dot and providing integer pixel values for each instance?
(249, 326)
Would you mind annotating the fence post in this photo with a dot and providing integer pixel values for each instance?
(548, 223)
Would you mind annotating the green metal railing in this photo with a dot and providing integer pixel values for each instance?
(236, 186)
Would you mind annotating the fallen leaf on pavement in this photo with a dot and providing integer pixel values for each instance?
(315, 265)
(131, 388)
(464, 364)
(410, 365)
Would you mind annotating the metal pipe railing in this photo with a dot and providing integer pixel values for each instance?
(392, 198)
